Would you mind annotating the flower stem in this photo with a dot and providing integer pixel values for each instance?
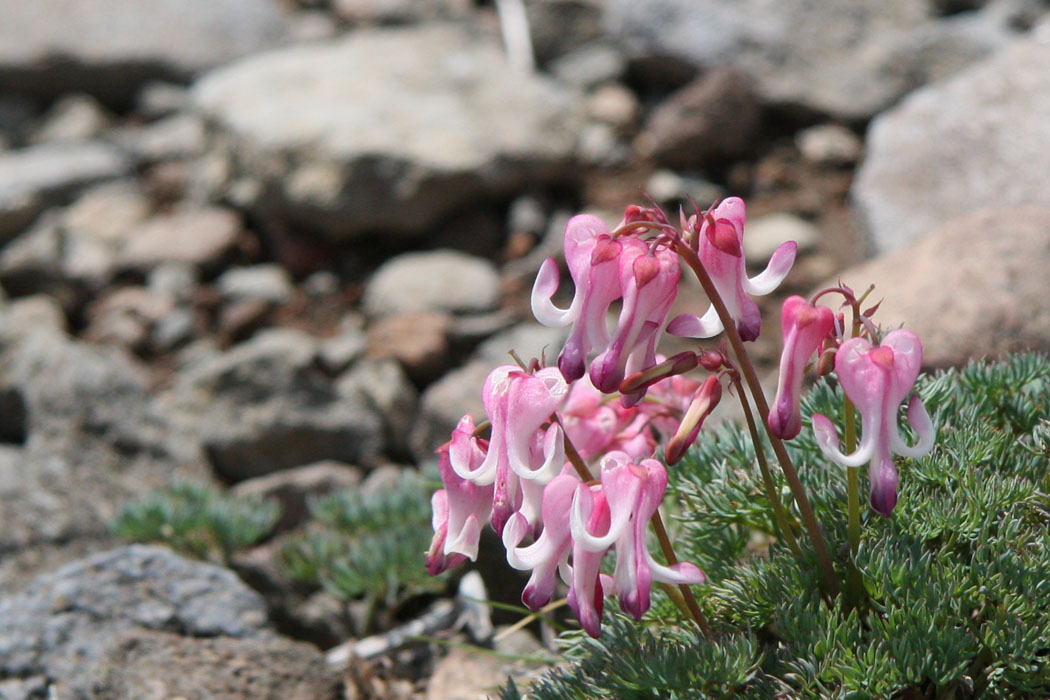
(853, 481)
(692, 608)
(805, 509)
(783, 524)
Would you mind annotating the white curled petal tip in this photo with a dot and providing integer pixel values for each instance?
(466, 540)
(680, 573)
(579, 512)
(547, 281)
(554, 458)
(922, 424)
(828, 442)
(690, 326)
(778, 268)
(513, 534)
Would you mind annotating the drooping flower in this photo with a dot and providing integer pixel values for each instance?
(592, 257)
(877, 379)
(605, 269)
(805, 326)
(649, 281)
(521, 458)
(463, 507)
(633, 492)
(588, 585)
(550, 551)
(721, 253)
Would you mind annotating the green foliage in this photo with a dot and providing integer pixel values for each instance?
(367, 547)
(196, 520)
(957, 581)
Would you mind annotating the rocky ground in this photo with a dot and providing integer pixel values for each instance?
(276, 247)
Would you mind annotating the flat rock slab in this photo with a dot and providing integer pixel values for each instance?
(111, 47)
(388, 129)
(976, 287)
(63, 622)
(980, 139)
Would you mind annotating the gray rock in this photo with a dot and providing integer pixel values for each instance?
(180, 136)
(559, 26)
(829, 144)
(977, 139)
(294, 488)
(986, 298)
(388, 129)
(765, 234)
(200, 237)
(108, 48)
(715, 118)
(159, 99)
(440, 280)
(179, 279)
(590, 65)
(846, 59)
(141, 664)
(670, 188)
(44, 175)
(417, 340)
(265, 405)
(74, 118)
(446, 401)
(528, 340)
(385, 384)
(127, 317)
(339, 351)
(64, 621)
(268, 282)
(398, 11)
(615, 105)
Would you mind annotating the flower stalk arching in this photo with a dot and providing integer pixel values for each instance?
(747, 369)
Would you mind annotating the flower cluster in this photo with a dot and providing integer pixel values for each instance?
(521, 481)
(612, 402)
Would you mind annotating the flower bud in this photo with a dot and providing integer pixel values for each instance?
(704, 401)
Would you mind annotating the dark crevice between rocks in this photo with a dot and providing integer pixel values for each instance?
(14, 416)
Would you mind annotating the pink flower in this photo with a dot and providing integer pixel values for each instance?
(722, 255)
(587, 589)
(592, 257)
(876, 380)
(550, 551)
(805, 327)
(634, 492)
(649, 281)
(462, 507)
(603, 270)
(595, 424)
(521, 457)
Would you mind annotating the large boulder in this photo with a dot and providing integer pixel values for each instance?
(980, 139)
(109, 48)
(386, 129)
(848, 59)
(986, 298)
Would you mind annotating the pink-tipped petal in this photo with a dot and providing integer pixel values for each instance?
(882, 475)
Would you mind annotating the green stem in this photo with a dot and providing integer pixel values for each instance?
(805, 509)
(853, 481)
(784, 525)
